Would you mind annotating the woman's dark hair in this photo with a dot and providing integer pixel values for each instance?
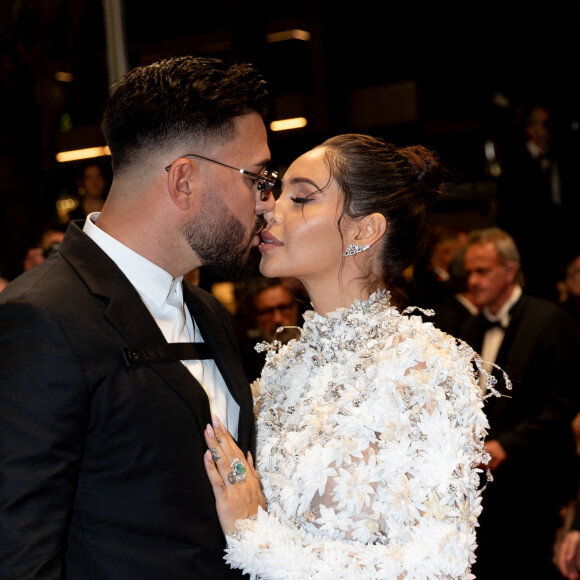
(401, 183)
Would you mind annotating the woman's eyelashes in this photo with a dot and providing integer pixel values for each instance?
(301, 200)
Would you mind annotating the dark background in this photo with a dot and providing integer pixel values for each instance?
(452, 76)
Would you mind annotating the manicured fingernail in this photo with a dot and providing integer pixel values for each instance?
(215, 421)
(210, 430)
(207, 456)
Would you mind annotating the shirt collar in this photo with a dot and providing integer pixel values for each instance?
(534, 150)
(152, 282)
(503, 314)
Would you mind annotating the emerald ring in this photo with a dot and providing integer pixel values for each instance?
(238, 470)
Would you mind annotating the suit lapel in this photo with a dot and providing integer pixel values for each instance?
(211, 326)
(134, 322)
(510, 332)
(127, 313)
(214, 334)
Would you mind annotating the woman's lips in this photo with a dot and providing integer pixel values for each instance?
(269, 242)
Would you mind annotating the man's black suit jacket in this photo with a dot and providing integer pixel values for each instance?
(540, 353)
(102, 472)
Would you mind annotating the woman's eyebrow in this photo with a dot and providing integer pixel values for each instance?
(301, 180)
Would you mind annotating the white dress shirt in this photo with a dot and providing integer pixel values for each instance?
(493, 337)
(163, 297)
(548, 165)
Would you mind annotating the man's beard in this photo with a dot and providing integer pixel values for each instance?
(221, 241)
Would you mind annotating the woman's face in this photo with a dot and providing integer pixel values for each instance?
(302, 239)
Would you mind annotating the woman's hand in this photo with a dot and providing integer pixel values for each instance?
(234, 481)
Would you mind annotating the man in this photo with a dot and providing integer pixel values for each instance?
(273, 306)
(43, 246)
(530, 442)
(569, 553)
(569, 288)
(432, 281)
(93, 189)
(102, 414)
(537, 192)
(264, 306)
(458, 309)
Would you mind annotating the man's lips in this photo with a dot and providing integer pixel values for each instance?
(256, 238)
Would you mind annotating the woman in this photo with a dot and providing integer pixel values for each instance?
(370, 426)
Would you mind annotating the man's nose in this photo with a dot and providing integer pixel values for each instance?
(264, 206)
(277, 316)
(272, 216)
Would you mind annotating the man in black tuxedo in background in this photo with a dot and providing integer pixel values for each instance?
(538, 192)
(110, 366)
(530, 439)
(457, 310)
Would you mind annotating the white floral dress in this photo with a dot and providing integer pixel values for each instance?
(370, 431)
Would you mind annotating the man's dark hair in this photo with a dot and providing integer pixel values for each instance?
(177, 99)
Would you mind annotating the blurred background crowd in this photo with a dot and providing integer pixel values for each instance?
(462, 79)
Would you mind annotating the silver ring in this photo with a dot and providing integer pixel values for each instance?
(238, 471)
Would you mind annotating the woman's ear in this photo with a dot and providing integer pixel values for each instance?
(182, 183)
(369, 229)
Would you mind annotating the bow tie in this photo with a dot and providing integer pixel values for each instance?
(487, 324)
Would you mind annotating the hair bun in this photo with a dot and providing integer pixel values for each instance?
(430, 172)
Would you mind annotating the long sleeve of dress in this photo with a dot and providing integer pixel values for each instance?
(370, 434)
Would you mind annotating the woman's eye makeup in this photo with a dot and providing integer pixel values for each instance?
(301, 200)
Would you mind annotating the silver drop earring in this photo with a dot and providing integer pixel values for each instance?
(353, 249)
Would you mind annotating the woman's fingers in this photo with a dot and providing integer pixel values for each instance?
(213, 444)
(225, 440)
(218, 455)
(233, 479)
(226, 455)
(215, 478)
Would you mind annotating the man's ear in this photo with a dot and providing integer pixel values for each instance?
(368, 230)
(511, 269)
(182, 182)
